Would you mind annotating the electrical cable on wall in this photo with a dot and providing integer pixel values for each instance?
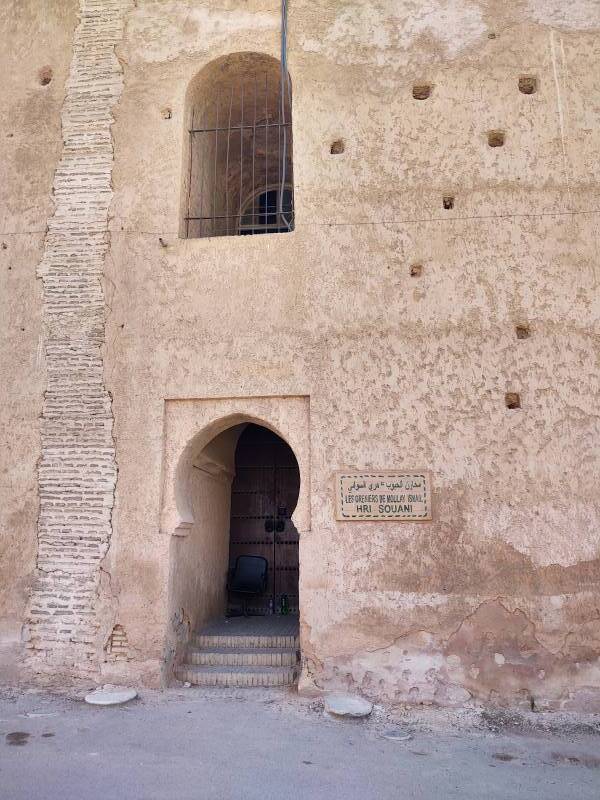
(285, 92)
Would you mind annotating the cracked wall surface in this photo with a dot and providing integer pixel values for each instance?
(495, 600)
(77, 468)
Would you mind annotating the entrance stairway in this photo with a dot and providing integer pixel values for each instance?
(244, 651)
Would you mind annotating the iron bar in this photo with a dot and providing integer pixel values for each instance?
(241, 153)
(216, 162)
(227, 162)
(189, 188)
(270, 209)
(254, 134)
(244, 127)
(202, 180)
(279, 181)
(266, 220)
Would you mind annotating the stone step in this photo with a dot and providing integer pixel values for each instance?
(211, 641)
(245, 657)
(236, 676)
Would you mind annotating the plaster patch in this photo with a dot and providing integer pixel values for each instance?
(383, 600)
(545, 534)
(576, 14)
(363, 33)
(162, 31)
(413, 670)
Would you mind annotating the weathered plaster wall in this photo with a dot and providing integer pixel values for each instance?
(31, 142)
(497, 597)
(401, 371)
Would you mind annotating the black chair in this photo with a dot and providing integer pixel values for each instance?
(248, 577)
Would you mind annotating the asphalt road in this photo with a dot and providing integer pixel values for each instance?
(258, 745)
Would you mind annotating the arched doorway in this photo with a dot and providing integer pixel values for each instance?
(237, 492)
(264, 494)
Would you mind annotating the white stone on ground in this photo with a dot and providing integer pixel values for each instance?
(347, 705)
(397, 735)
(109, 695)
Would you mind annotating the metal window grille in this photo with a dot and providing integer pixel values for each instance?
(240, 178)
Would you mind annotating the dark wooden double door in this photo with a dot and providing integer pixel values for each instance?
(264, 494)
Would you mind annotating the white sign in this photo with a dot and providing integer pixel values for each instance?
(384, 495)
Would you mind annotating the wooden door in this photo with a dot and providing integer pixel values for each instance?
(264, 494)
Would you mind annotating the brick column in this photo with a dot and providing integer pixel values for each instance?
(78, 469)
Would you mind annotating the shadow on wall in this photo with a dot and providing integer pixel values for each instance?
(199, 559)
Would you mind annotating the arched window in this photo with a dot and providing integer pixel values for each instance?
(238, 149)
(269, 211)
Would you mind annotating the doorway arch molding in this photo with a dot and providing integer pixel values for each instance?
(190, 425)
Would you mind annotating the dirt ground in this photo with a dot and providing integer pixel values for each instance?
(272, 745)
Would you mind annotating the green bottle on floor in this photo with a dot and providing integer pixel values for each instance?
(284, 606)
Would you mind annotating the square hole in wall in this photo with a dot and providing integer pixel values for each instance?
(45, 75)
(512, 400)
(496, 138)
(421, 91)
(528, 84)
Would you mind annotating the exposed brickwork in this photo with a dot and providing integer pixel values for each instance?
(77, 471)
(117, 646)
